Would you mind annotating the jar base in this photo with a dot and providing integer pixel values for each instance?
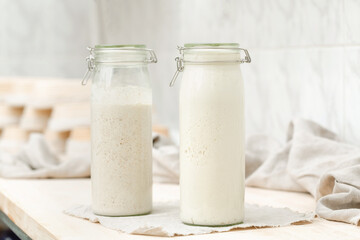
(119, 215)
(207, 225)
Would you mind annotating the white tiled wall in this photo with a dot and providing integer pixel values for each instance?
(306, 59)
(44, 37)
(306, 53)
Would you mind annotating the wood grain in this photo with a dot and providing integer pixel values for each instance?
(36, 207)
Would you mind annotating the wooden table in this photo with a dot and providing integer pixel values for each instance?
(35, 206)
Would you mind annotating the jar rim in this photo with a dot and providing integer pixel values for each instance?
(103, 54)
(212, 45)
(208, 48)
(204, 53)
(120, 46)
(222, 52)
(125, 53)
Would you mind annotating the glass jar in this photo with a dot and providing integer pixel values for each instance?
(212, 154)
(121, 133)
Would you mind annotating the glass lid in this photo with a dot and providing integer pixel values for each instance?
(211, 45)
(120, 46)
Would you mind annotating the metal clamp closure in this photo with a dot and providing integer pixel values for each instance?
(180, 68)
(180, 60)
(91, 65)
(91, 61)
(153, 58)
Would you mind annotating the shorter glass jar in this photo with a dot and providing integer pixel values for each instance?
(212, 154)
(121, 132)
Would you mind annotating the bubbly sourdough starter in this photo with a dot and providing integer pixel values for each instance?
(212, 145)
(121, 169)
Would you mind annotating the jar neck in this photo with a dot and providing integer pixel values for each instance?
(123, 55)
(218, 53)
(100, 65)
(118, 57)
(204, 56)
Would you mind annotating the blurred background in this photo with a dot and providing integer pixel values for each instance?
(305, 62)
(305, 53)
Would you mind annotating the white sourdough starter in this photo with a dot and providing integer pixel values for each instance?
(121, 169)
(212, 145)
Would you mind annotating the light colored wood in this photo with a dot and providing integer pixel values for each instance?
(9, 115)
(20, 92)
(35, 119)
(13, 138)
(78, 142)
(48, 92)
(15, 133)
(67, 116)
(80, 134)
(56, 135)
(36, 207)
(161, 130)
(57, 140)
(71, 110)
(5, 86)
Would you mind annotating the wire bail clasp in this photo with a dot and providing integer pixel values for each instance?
(180, 60)
(153, 58)
(179, 68)
(91, 66)
(247, 58)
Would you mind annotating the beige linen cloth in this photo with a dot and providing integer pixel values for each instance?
(36, 159)
(313, 160)
(164, 220)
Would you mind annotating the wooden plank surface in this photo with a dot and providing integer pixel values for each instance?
(36, 207)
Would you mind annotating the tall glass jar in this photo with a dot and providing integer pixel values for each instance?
(121, 133)
(212, 161)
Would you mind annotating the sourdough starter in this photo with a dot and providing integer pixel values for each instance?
(121, 168)
(212, 145)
